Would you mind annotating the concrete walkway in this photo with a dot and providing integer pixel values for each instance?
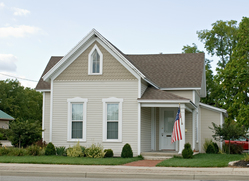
(227, 173)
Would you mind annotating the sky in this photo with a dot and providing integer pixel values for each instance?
(33, 31)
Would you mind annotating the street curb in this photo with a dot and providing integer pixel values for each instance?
(124, 175)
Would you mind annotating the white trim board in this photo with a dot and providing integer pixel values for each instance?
(213, 108)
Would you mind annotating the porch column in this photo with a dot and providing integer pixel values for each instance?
(193, 129)
(139, 130)
(182, 142)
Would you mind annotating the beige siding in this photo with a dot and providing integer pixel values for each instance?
(47, 117)
(112, 69)
(145, 129)
(185, 94)
(4, 124)
(95, 91)
(188, 127)
(157, 128)
(207, 117)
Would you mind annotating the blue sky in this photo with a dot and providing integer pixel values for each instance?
(32, 31)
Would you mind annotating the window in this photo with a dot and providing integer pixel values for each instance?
(77, 119)
(112, 119)
(95, 61)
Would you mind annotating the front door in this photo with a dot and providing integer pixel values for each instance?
(166, 124)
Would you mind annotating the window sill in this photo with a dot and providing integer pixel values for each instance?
(76, 140)
(112, 141)
(94, 73)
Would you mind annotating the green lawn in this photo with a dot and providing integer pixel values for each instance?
(202, 160)
(66, 160)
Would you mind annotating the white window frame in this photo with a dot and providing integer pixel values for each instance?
(76, 100)
(118, 101)
(90, 62)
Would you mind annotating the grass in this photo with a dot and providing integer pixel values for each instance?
(66, 160)
(202, 160)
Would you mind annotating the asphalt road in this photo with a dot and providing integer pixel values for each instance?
(23, 178)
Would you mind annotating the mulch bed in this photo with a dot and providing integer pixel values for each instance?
(241, 163)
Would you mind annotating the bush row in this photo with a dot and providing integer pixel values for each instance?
(94, 151)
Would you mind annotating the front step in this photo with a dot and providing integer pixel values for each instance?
(158, 155)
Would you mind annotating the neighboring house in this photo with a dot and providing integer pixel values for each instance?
(4, 120)
(97, 94)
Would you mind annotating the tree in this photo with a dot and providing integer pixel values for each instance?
(236, 77)
(220, 40)
(191, 49)
(227, 131)
(24, 132)
(19, 102)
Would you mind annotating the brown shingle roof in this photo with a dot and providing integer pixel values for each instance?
(156, 94)
(42, 85)
(171, 70)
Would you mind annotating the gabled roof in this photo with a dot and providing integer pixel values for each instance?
(171, 70)
(42, 85)
(159, 70)
(5, 116)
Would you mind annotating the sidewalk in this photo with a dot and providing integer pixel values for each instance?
(227, 173)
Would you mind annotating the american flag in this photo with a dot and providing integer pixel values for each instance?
(177, 135)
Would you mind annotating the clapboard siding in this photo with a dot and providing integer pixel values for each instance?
(95, 92)
(207, 117)
(186, 94)
(144, 86)
(188, 127)
(145, 129)
(47, 117)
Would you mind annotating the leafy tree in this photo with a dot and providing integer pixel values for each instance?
(191, 49)
(236, 77)
(220, 40)
(227, 131)
(24, 132)
(19, 102)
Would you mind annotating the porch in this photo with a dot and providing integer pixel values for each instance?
(157, 121)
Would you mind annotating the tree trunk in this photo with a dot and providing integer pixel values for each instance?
(19, 142)
(229, 146)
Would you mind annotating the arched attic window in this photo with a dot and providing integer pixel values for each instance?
(95, 61)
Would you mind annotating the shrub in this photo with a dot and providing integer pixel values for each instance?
(109, 153)
(83, 150)
(4, 151)
(41, 143)
(216, 147)
(50, 149)
(234, 149)
(246, 158)
(60, 150)
(95, 151)
(210, 149)
(33, 150)
(75, 151)
(187, 151)
(126, 151)
(206, 143)
(3, 133)
(17, 152)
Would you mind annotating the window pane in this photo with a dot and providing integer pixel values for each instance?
(77, 129)
(112, 111)
(77, 111)
(95, 62)
(112, 130)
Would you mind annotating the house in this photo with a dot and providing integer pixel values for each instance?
(98, 94)
(4, 120)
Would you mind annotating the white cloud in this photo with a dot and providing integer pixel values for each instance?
(8, 62)
(20, 12)
(19, 31)
(2, 5)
